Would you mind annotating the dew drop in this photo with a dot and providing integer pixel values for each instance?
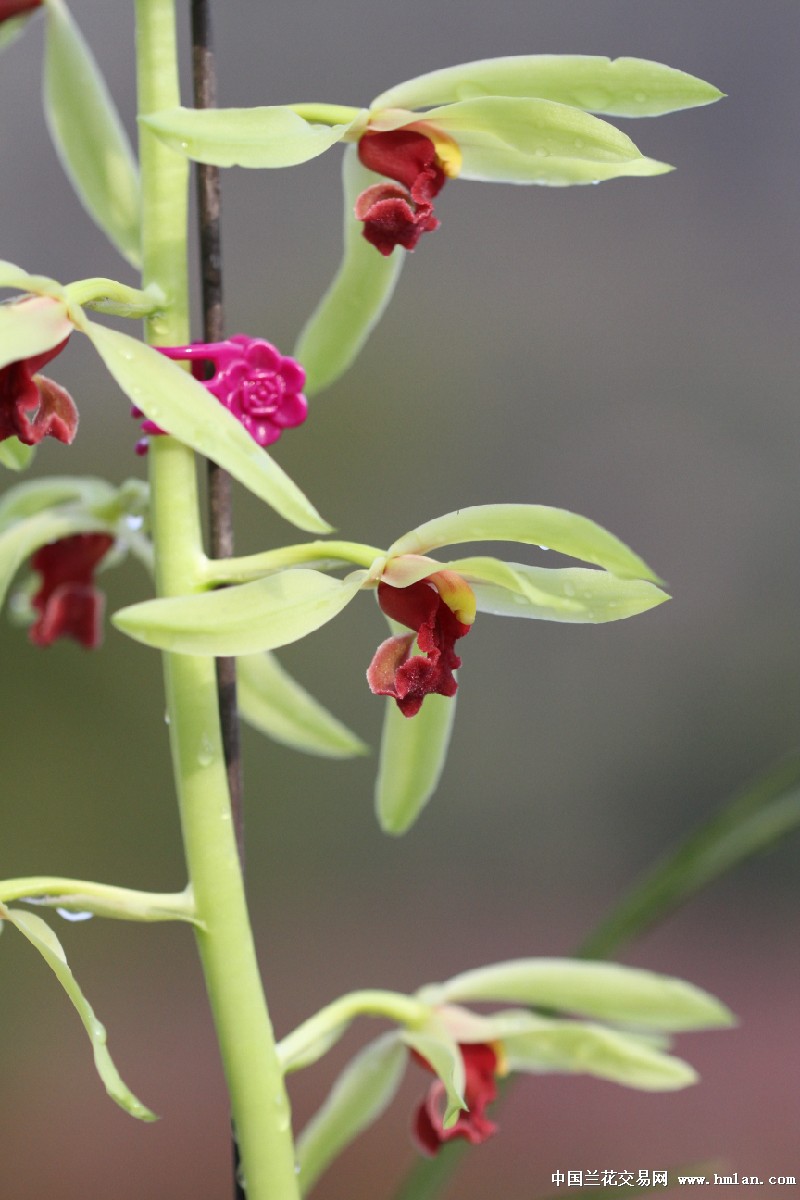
(541, 547)
(70, 915)
(640, 97)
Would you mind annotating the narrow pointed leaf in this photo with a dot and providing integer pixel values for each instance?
(178, 403)
(250, 617)
(622, 87)
(583, 1048)
(42, 938)
(360, 1095)
(88, 135)
(572, 594)
(509, 140)
(244, 137)
(412, 757)
(444, 1056)
(354, 303)
(531, 524)
(19, 541)
(605, 991)
(753, 822)
(15, 455)
(273, 702)
(30, 327)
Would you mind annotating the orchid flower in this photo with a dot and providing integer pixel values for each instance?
(519, 119)
(603, 1020)
(283, 595)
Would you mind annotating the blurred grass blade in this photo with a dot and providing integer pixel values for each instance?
(757, 818)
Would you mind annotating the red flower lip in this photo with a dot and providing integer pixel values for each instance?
(480, 1089)
(423, 607)
(398, 214)
(33, 407)
(67, 601)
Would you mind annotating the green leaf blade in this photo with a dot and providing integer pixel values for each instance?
(273, 702)
(355, 301)
(622, 87)
(412, 757)
(42, 938)
(269, 136)
(177, 402)
(244, 619)
(88, 135)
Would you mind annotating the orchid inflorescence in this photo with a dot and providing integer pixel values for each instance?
(522, 119)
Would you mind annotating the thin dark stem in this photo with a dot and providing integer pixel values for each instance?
(220, 508)
(219, 483)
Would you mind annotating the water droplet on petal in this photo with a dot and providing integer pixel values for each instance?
(70, 915)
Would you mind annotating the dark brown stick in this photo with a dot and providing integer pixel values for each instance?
(220, 508)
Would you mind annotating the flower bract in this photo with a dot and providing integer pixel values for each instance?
(33, 407)
(67, 602)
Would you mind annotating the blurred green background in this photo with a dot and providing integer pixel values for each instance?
(629, 352)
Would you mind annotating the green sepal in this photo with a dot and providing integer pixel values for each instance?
(272, 136)
(622, 87)
(15, 455)
(170, 396)
(42, 938)
(584, 1048)
(31, 326)
(508, 140)
(365, 1088)
(273, 702)
(354, 302)
(245, 619)
(604, 991)
(574, 594)
(531, 524)
(412, 757)
(88, 135)
(440, 1050)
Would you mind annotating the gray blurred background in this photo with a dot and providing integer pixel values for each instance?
(629, 352)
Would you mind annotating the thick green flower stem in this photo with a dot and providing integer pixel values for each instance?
(247, 1045)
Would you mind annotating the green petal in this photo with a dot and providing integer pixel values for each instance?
(444, 1056)
(245, 619)
(354, 303)
(273, 702)
(531, 524)
(602, 990)
(412, 757)
(572, 594)
(88, 135)
(508, 140)
(244, 137)
(31, 327)
(36, 495)
(170, 396)
(582, 1048)
(362, 1092)
(15, 455)
(11, 28)
(622, 87)
(42, 938)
